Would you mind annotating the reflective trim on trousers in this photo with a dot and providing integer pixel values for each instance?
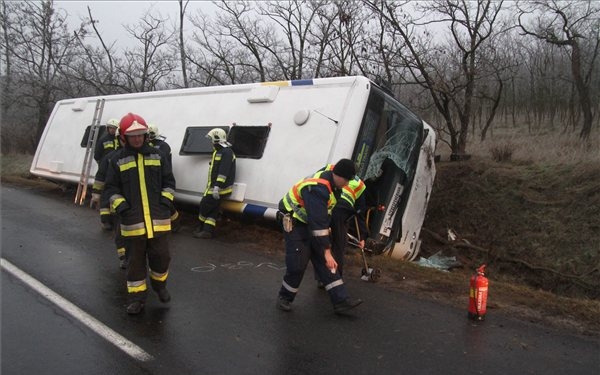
(289, 288)
(334, 284)
(320, 232)
(136, 286)
(158, 276)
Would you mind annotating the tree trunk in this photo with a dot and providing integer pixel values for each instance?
(582, 90)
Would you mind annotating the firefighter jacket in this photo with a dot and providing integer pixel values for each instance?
(98, 186)
(163, 146)
(311, 201)
(140, 186)
(221, 172)
(105, 145)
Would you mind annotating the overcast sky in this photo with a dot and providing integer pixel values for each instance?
(113, 14)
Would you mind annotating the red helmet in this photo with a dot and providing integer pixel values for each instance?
(132, 124)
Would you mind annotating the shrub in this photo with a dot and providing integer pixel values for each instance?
(502, 152)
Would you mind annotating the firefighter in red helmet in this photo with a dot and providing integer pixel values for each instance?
(140, 186)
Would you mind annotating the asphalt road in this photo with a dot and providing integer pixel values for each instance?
(222, 318)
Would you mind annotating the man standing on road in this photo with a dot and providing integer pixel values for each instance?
(109, 220)
(140, 187)
(305, 211)
(350, 203)
(221, 175)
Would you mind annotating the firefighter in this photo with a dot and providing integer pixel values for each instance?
(108, 219)
(140, 187)
(156, 140)
(108, 142)
(221, 175)
(305, 214)
(350, 203)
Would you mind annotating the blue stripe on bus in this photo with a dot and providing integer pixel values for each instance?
(254, 210)
(302, 82)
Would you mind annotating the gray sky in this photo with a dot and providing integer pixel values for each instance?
(113, 14)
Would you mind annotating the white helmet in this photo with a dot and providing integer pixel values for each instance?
(217, 135)
(153, 131)
(113, 123)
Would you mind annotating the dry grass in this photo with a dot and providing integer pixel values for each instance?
(15, 165)
(547, 147)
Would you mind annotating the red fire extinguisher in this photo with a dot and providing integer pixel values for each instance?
(478, 292)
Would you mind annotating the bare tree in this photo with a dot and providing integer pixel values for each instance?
(238, 21)
(451, 72)
(143, 68)
(215, 59)
(95, 69)
(295, 19)
(40, 44)
(567, 24)
(183, 56)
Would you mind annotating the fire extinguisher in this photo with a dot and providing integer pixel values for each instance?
(478, 292)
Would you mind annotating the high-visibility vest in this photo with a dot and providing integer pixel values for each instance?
(294, 202)
(350, 192)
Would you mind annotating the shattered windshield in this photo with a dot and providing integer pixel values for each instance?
(389, 131)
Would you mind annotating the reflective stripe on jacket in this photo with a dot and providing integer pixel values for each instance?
(140, 186)
(350, 192)
(294, 202)
(221, 172)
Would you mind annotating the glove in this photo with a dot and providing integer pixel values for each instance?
(215, 193)
(95, 201)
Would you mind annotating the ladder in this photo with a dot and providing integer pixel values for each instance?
(89, 153)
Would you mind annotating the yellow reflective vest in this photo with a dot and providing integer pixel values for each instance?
(294, 202)
(350, 192)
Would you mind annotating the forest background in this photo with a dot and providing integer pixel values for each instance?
(511, 87)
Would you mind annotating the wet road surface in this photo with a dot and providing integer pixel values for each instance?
(222, 318)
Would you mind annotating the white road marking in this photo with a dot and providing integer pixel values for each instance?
(95, 325)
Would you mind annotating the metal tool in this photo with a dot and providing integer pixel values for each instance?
(368, 273)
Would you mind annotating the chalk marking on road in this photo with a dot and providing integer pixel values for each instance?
(94, 324)
(209, 267)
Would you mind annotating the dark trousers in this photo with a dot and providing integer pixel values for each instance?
(118, 237)
(209, 211)
(339, 234)
(298, 252)
(143, 253)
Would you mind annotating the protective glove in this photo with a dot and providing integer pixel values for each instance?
(95, 201)
(215, 193)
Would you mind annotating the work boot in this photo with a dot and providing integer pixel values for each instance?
(284, 304)
(163, 295)
(345, 305)
(176, 225)
(198, 230)
(123, 262)
(135, 307)
(203, 234)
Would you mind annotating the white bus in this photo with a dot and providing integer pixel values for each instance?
(281, 132)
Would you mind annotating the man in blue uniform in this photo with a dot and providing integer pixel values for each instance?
(305, 212)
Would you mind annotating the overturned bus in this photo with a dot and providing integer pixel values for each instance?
(281, 132)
